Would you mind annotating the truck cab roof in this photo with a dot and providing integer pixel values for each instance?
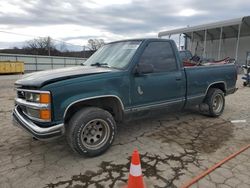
(141, 39)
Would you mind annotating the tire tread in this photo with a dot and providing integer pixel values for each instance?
(73, 125)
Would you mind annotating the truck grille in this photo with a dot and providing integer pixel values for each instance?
(21, 94)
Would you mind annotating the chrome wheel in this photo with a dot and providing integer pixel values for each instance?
(95, 134)
(218, 103)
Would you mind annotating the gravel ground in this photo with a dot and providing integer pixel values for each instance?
(174, 148)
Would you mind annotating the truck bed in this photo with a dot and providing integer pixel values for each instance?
(199, 78)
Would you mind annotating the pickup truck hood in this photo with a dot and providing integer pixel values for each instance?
(39, 79)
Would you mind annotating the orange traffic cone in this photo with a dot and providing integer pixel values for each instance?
(135, 179)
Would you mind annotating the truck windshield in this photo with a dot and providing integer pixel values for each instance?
(115, 55)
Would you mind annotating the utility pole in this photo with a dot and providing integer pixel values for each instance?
(49, 45)
(83, 51)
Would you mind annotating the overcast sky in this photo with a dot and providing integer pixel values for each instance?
(75, 21)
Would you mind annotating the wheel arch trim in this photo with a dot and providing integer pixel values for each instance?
(218, 82)
(90, 98)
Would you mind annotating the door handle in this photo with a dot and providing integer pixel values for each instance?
(178, 78)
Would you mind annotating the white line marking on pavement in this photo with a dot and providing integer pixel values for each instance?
(239, 121)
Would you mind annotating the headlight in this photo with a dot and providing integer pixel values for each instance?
(42, 114)
(35, 104)
(33, 112)
(38, 97)
(32, 97)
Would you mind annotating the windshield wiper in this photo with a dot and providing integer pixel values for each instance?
(100, 64)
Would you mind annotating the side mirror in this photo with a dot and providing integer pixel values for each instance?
(144, 69)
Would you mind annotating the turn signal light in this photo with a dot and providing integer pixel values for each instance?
(45, 114)
(45, 98)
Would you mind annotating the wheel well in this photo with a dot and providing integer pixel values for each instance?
(111, 104)
(220, 86)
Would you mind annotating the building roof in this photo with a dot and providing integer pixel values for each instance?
(230, 29)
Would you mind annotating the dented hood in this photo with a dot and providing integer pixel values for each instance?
(39, 79)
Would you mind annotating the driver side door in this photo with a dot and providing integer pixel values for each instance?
(165, 85)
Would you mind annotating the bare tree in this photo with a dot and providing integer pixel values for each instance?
(42, 45)
(95, 44)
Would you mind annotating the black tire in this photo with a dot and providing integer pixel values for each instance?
(91, 131)
(215, 100)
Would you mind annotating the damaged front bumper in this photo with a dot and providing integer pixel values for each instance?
(41, 133)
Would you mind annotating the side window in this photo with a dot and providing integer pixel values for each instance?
(160, 55)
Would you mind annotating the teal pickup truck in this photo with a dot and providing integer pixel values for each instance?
(120, 80)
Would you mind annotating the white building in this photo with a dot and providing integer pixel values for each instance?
(218, 40)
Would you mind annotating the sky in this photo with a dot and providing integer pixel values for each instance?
(76, 21)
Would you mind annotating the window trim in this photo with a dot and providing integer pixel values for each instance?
(174, 55)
